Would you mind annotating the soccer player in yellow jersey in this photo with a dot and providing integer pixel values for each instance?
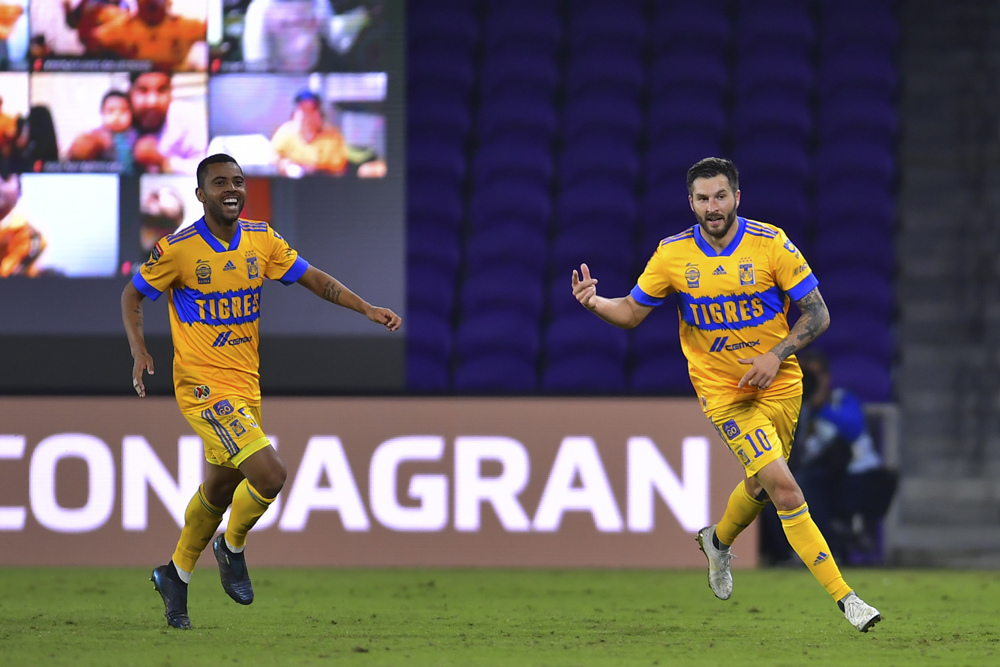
(734, 279)
(213, 272)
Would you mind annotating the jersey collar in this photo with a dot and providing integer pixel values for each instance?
(729, 249)
(213, 242)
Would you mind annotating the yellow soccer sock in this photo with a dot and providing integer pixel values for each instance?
(740, 512)
(811, 546)
(248, 506)
(201, 518)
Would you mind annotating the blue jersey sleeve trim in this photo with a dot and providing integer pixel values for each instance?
(293, 274)
(145, 288)
(644, 298)
(808, 284)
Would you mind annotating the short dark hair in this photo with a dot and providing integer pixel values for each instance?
(134, 76)
(218, 158)
(112, 94)
(711, 167)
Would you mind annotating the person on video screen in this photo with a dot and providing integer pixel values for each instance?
(306, 144)
(114, 140)
(85, 18)
(172, 138)
(161, 212)
(152, 34)
(20, 243)
(284, 35)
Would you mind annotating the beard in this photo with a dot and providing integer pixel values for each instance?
(729, 220)
(223, 214)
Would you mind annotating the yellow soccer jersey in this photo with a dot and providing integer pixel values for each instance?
(165, 45)
(731, 305)
(215, 306)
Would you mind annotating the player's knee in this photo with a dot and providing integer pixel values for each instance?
(271, 483)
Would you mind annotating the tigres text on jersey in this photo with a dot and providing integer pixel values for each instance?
(214, 293)
(731, 305)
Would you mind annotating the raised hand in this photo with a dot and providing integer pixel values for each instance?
(585, 288)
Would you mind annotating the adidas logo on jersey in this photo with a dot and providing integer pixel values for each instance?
(820, 558)
(229, 266)
(719, 271)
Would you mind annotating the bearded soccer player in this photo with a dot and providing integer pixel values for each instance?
(734, 279)
(213, 272)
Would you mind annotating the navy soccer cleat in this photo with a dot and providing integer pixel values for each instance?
(175, 596)
(233, 572)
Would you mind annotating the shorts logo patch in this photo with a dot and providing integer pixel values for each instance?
(743, 457)
(202, 392)
(223, 408)
(238, 428)
(731, 429)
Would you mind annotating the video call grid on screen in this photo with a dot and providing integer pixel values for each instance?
(100, 135)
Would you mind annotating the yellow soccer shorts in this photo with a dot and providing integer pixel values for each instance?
(230, 430)
(758, 431)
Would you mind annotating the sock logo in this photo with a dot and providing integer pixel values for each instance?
(820, 558)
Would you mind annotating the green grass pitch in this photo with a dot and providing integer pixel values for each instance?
(102, 616)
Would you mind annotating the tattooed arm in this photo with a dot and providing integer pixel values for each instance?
(329, 288)
(813, 321)
(132, 319)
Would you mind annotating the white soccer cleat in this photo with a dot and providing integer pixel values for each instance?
(861, 615)
(720, 579)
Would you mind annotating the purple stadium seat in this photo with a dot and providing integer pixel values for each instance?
(511, 203)
(661, 373)
(605, 77)
(851, 206)
(854, 161)
(687, 27)
(510, 243)
(585, 375)
(859, 26)
(866, 376)
(667, 161)
(859, 290)
(430, 288)
(500, 373)
(507, 332)
(780, 27)
(678, 74)
(770, 73)
(436, 118)
(433, 203)
(525, 120)
(770, 159)
(507, 160)
(598, 247)
(834, 249)
(665, 212)
(522, 27)
(424, 374)
(452, 27)
(607, 205)
(598, 158)
(583, 335)
(657, 335)
(861, 119)
(688, 116)
(429, 335)
(520, 75)
(605, 118)
(606, 28)
(507, 287)
(768, 201)
(436, 73)
(858, 75)
(426, 157)
(857, 332)
(786, 117)
(434, 245)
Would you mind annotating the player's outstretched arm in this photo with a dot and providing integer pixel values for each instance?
(132, 318)
(623, 312)
(329, 288)
(813, 321)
